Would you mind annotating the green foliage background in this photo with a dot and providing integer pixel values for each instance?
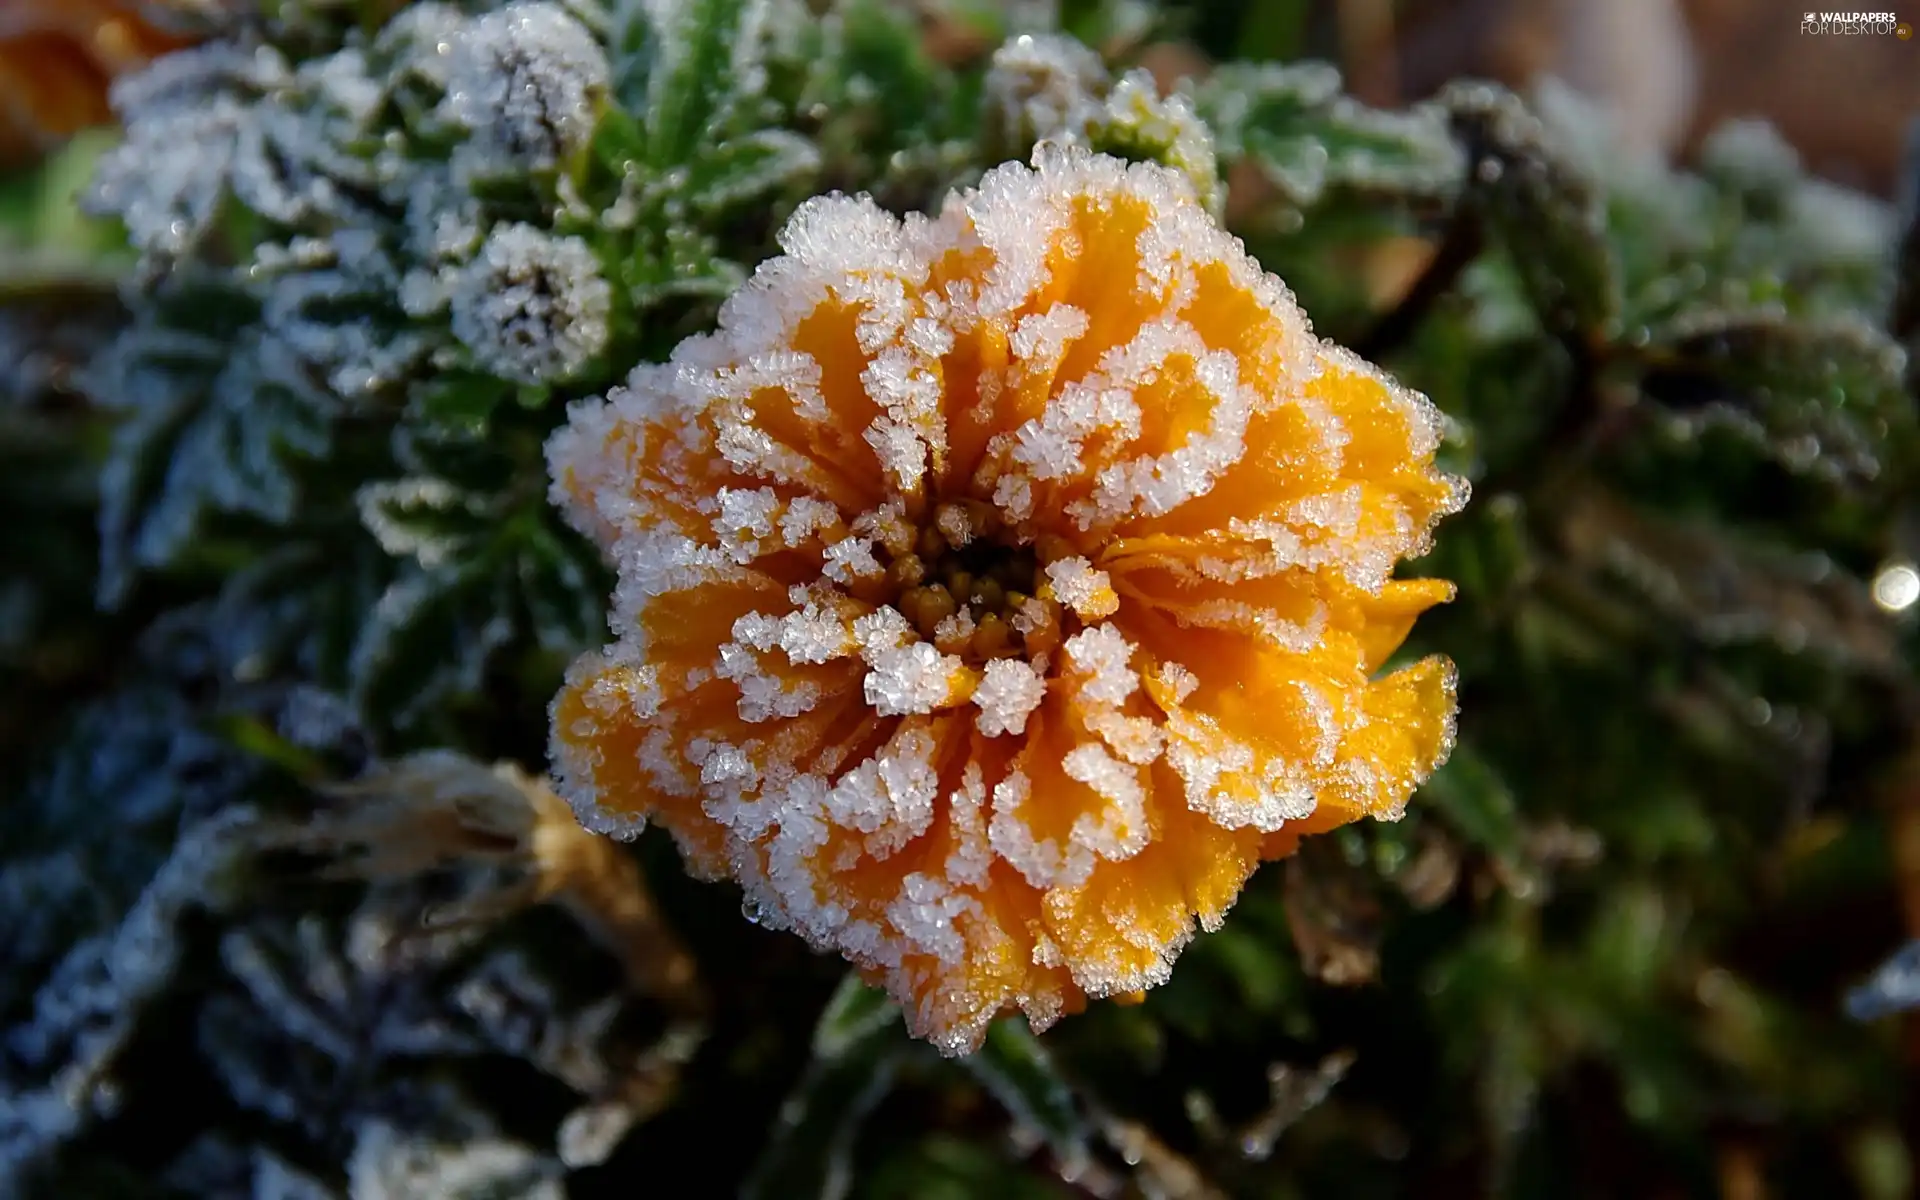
(1605, 954)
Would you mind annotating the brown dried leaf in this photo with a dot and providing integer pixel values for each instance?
(441, 811)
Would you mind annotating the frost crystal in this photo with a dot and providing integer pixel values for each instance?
(1028, 534)
(531, 307)
(1049, 87)
(527, 81)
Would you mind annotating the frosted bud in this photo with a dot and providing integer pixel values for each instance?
(532, 307)
(528, 82)
(1039, 85)
(1750, 154)
(1136, 122)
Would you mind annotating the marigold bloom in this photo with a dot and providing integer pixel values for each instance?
(57, 58)
(998, 590)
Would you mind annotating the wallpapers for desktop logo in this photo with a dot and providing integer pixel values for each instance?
(1856, 24)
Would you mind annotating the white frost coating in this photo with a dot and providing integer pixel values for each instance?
(421, 39)
(85, 1014)
(1082, 587)
(1118, 831)
(531, 307)
(1008, 693)
(924, 914)
(1100, 655)
(527, 82)
(387, 506)
(912, 679)
(1041, 861)
(391, 1163)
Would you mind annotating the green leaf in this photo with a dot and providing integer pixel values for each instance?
(429, 637)
(683, 265)
(1476, 802)
(564, 587)
(854, 1014)
(301, 606)
(858, 1046)
(1550, 219)
(743, 169)
(425, 518)
(1818, 396)
(214, 427)
(946, 1167)
(882, 58)
(483, 568)
(706, 60)
(618, 140)
(1294, 123)
(1017, 1070)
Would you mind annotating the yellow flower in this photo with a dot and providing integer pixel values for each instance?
(998, 590)
(57, 58)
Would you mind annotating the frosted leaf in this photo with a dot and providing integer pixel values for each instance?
(527, 81)
(421, 42)
(423, 518)
(432, 631)
(332, 302)
(1136, 122)
(444, 223)
(275, 1179)
(391, 1163)
(53, 906)
(224, 120)
(217, 1166)
(1292, 121)
(707, 63)
(531, 307)
(215, 438)
(190, 120)
(744, 168)
(86, 1011)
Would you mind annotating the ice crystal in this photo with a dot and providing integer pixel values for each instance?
(1044, 532)
(532, 307)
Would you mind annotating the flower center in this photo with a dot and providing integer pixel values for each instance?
(973, 588)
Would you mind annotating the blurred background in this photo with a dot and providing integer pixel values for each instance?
(1633, 941)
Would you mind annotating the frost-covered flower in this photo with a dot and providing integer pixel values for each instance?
(532, 307)
(998, 590)
(527, 81)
